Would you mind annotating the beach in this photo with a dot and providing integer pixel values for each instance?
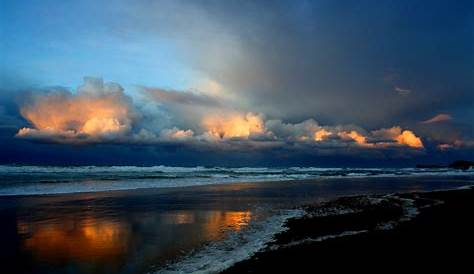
(235, 227)
(432, 232)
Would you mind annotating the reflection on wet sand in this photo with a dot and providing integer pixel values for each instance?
(85, 240)
(179, 218)
(76, 239)
(231, 220)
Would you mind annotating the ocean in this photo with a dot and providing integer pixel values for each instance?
(39, 180)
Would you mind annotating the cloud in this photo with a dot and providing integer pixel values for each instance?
(407, 137)
(181, 97)
(456, 144)
(442, 117)
(445, 146)
(188, 108)
(297, 61)
(343, 135)
(403, 91)
(96, 112)
(321, 135)
(177, 134)
(355, 136)
(233, 125)
(286, 62)
(52, 135)
(396, 134)
(302, 131)
(100, 112)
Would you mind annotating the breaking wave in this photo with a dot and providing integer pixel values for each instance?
(36, 180)
(238, 246)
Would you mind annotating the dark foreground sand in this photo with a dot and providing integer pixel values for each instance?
(418, 231)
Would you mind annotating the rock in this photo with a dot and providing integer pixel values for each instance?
(461, 164)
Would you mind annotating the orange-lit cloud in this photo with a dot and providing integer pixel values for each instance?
(233, 125)
(401, 137)
(442, 117)
(354, 135)
(96, 111)
(453, 145)
(321, 135)
(396, 134)
(335, 136)
(100, 112)
(410, 139)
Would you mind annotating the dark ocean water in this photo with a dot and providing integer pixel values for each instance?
(35, 180)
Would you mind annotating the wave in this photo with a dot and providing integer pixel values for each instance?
(36, 180)
(238, 246)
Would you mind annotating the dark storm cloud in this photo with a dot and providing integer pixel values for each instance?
(333, 61)
(181, 97)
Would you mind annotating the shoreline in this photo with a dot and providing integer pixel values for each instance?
(426, 230)
(255, 183)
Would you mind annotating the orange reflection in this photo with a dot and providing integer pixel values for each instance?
(86, 240)
(179, 218)
(215, 221)
(237, 220)
(220, 221)
(98, 240)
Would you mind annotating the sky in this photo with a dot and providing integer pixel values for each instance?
(236, 83)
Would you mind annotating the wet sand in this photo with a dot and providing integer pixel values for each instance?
(375, 235)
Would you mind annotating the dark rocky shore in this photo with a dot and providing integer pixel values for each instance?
(417, 231)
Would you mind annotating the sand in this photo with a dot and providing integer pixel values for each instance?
(416, 231)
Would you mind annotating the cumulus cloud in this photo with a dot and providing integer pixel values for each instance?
(102, 112)
(399, 136)
(345, 135)
(233, 125)
(321, 135)
(177, 134)
(302, 131)
(188, 108)
(442, 117)
(408, 138)
(355, 136)
(96, 111)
